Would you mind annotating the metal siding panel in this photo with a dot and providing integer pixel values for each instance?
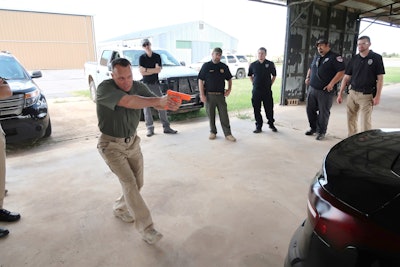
(48, 41)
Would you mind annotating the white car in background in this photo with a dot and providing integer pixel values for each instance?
(238, 64)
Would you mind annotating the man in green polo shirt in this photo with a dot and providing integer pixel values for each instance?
(119, 103)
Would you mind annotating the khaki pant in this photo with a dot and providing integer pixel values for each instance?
(2, 166)
(125, 159)
(358, 103)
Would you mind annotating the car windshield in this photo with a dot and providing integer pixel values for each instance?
(10, 69)
(166, 58)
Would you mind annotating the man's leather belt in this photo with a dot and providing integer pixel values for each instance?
(118, 139)
(214, 93)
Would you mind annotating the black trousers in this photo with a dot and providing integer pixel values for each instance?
(319, 103)
(264, 98)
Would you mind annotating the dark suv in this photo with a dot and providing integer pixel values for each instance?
(23, 116)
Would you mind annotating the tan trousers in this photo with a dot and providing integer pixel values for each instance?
(2, 166)
(358, 103)
(125, 160)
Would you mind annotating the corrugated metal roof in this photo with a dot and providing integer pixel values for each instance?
(385, 12)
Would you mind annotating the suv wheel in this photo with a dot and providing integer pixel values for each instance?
(240, 74)
(92, 88)
(48, 130)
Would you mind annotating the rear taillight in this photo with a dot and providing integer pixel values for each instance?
(340, 226)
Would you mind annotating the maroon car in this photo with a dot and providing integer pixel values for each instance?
(353, 208)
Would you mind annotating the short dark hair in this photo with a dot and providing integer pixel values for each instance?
(263, 49)
(217, 50)
(121, 62)
(364, 37)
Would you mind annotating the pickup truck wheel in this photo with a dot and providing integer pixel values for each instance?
(92, 88)
(240, 74)
(48, 130)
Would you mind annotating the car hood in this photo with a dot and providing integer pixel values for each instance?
(24, 85)
(169, 72)
(363, 171)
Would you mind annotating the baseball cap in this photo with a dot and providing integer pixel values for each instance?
(145, 42)
(321, 41)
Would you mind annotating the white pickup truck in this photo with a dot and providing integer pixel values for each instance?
(173, 75)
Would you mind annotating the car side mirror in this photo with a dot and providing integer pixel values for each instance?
(183, 63)
(36, 74)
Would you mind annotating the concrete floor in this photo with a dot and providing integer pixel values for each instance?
(217, 203)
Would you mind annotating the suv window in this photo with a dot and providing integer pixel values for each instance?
(242, 58)
(231, 59)
(11, 69)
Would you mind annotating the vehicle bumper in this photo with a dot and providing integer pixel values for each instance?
(29, 126)
(24, 129)
(306, 249)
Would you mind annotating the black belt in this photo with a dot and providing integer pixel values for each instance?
(365, 92)
(214, 93)
(117, 139)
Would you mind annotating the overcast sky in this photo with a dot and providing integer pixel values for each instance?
(253, 24)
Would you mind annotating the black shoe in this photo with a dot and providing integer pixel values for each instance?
(273, 128)
(3, 232)
(170, 131)
(310, 132)
(320, 137)
(7, 216)
(149, 133)
(257, 131)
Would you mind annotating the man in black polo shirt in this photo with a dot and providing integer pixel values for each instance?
(150, 66)
(326, 70)
(212, 77)
(365, 75)
(262, 75)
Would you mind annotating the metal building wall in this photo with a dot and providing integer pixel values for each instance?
(48, 40)
(306, 23)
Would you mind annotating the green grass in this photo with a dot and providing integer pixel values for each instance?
(240, 97)
(392, 75)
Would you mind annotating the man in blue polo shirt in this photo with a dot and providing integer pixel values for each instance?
(365, 75)
(326, 70)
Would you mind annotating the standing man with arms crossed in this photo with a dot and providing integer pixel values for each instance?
(262, 74)
(365, 75)
(5, 215)
(327, 69)
(212, 78)
(150, 66)
(119, 101)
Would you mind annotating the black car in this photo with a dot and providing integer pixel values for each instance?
(353, 208)
(23, 116)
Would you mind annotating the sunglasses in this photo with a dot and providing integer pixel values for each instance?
(146, 44)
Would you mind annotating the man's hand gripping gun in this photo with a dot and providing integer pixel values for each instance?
(178, 97)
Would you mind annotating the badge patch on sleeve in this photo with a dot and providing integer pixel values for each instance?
(339, 58)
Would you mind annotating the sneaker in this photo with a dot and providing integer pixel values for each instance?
(257, 131)
(152, 236)
(310, 132)
(273, 128)
(212, 136)
(320, 137)
(125, 216)
(230, 138)
(150, 133)
(170, 131)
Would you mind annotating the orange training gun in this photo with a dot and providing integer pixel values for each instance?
(182, 96)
